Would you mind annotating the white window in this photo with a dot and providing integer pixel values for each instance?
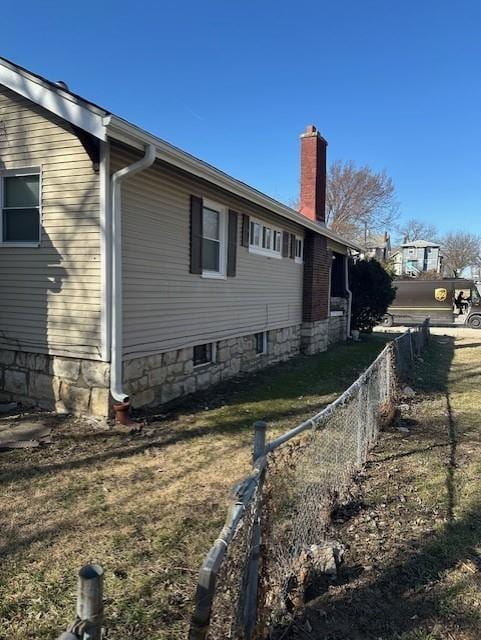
(264, 239)
(261, 343)
(299, 257)
(214, 231)
(20, 207)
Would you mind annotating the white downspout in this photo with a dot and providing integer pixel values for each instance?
(349, 295)
(116, 386)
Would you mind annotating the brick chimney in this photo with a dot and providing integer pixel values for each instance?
(313, 175)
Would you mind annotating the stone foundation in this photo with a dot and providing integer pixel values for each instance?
(153, 380)
(338, 320)
(337, 329)
(81, 387)
(65, 385)
(314, 337)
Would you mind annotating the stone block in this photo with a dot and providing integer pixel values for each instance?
(189, 385)
(136, 386)
(16, 382)
(170, 357)
(184, 355)
(157, 376)
(65, 368)
(99, 402)
(203, 380)
(223, 354)
(153, 362)
(188, 367)
(175, 370)
(170, 391)
(7, 357)
(234, 366)
(143, 399)
(134, 368)
(21, 359)
(95, 374)
(75, 399)
(43, 386)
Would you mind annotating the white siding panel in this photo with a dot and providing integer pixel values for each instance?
(50, 295)
(165, 306)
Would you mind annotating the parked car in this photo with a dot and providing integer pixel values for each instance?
(438, 300)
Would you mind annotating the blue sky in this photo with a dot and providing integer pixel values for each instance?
(395, 85)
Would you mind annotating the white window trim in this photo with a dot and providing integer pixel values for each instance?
(23, 171)
(296, 259)
(264, 344)
(222, 273)
(269, 253)
(213, 357)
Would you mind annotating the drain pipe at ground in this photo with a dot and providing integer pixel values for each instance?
(116, 378)
(349, 296)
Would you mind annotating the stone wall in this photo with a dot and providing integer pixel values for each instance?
(338, 323)
(65, 385)
(337, 329)
(314, 337)
(160, 378)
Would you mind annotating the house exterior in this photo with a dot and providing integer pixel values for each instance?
(417, 256)
(378, 247)
(131, 271)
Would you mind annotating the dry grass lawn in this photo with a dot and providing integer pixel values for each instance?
(146, 507)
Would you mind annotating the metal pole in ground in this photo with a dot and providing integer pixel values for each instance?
(253, 563)
(90, 606)
(259, 439)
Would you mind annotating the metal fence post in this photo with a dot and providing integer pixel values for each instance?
(259, 439)
(90, 607)
(253, 563)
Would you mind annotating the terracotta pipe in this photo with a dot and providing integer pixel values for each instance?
(122, 414)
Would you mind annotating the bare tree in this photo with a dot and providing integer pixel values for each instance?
(415, 229)
(358, 200)
(460, 250)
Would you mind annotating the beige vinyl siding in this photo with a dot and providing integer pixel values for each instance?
(165, 306)
(50, 295)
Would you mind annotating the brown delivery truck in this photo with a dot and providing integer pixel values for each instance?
(438, 300)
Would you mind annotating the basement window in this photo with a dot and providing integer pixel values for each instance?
(261, 343)
(20, 207)
(204, 354)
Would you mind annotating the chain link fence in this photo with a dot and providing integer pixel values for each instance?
(277, 528)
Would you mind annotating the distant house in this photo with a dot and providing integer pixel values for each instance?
(378, 247)
(132, 271)
(412, 258)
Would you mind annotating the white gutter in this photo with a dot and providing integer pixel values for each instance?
(116, 386)
(136, 137)
(349, 296)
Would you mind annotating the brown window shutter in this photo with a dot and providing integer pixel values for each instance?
(195, 234)
(285, 244)
(232, 244)
(245, 230)
(292, 247)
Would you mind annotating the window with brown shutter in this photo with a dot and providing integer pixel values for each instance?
(292, 246)
(195, 234)
(245, 230)
(231, 244)
(285, 244)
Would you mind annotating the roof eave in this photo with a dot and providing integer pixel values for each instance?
(48, 95)
(123, 131)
